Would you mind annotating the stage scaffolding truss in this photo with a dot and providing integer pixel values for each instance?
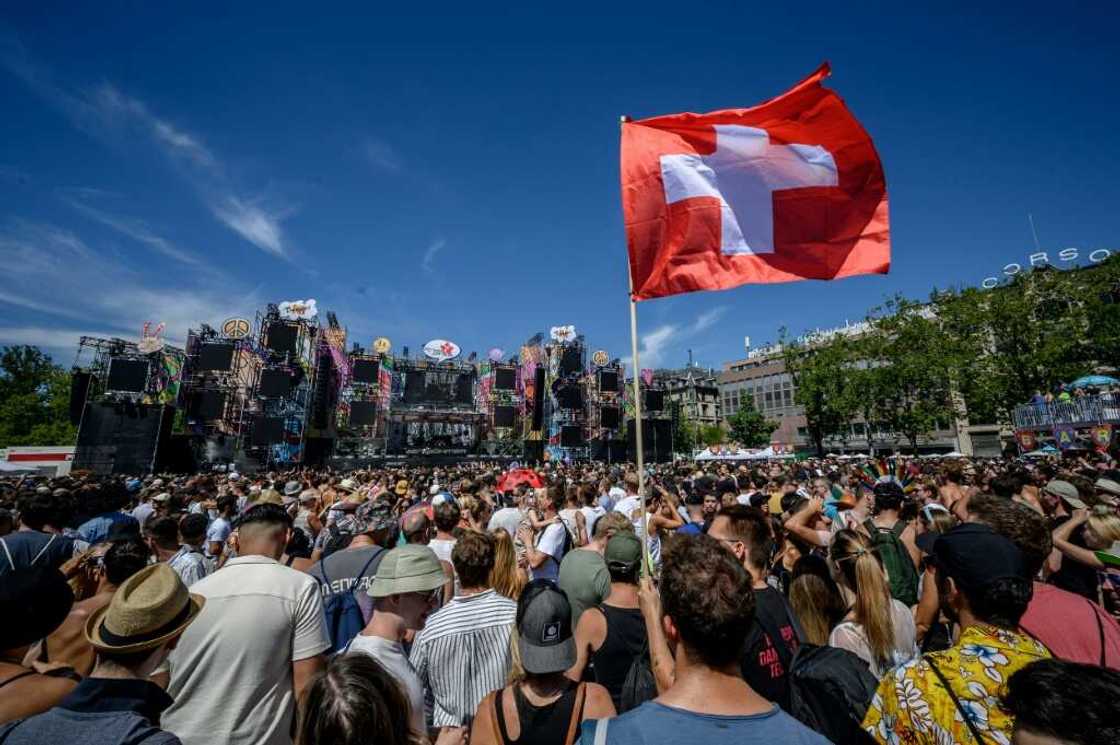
(279, 407)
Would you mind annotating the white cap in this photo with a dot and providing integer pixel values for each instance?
(161, 497)
(434, 490)
(234, 476)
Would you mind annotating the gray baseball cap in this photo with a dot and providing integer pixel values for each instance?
(544, 629)
(407, 569)
(1065, 491)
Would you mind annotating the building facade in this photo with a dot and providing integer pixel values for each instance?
(761, 379)
(696, 390)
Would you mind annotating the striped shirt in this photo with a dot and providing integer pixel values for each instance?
(190, 564)
(463, 653)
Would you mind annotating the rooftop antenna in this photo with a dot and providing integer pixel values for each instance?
(1037, 245)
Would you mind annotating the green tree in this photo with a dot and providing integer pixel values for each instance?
(823, 381)
(749, 426)
(712, 434)
(34, 399)
(909, 370)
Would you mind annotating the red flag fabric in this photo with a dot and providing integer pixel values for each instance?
(787, 190)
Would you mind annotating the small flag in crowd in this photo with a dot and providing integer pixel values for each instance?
(787, 190)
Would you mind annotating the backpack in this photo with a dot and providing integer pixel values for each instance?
(343, 615)
(640, 685)
(901, 572)
(830, 691)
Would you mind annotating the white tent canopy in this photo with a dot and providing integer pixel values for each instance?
(737, 454)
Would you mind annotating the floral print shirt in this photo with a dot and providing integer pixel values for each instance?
(912, 707)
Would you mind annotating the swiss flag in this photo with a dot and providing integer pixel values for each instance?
(790, 189)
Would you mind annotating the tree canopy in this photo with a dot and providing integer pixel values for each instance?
(967, 353)
(34, 399)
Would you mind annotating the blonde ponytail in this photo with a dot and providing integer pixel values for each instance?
(863, 573)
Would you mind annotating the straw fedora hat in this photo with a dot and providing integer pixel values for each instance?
(149, 608)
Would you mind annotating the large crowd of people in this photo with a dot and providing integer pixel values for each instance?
(935, 601)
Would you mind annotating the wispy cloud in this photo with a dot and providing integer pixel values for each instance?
(252, 223)
(709, 318)
(60, 343)
(110, 115)
(655, 347)
(137, 230)
(430, 254)
(116, 107)
(381, 155)
(55, 270)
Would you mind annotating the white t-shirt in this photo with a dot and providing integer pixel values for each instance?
(442, 548)
(391, 655)
(231, 673)
(551, 542)
(628, 505)
(852, 637)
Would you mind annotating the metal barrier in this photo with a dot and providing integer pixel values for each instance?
(1082, 411)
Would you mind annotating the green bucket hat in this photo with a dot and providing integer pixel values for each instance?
(407, 569)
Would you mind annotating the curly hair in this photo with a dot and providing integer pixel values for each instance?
(708, 595)
(1018, 523)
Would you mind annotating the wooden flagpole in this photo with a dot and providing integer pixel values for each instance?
(638, 409)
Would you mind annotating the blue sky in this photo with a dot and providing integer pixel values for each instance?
(454, 172)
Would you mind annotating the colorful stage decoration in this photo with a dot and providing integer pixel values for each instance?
(563, 333)
(236, 328)
(441, 350)
(298, 310)
(150, 339)
(1065, 436)
(1102, 437)
(171, 376)
(495, 354)
(382, 345)
(600, 358)
(1027, 440)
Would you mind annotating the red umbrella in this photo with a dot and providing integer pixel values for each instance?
(513, 479)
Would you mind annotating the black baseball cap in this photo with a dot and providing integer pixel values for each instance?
(544, 629)
(975, 556)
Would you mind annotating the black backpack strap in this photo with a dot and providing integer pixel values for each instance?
(953, 695)
(368, 562)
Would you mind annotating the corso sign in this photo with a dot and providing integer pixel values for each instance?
(1042, 258)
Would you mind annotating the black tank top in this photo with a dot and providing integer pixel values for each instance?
(543, 725)
(626, 637)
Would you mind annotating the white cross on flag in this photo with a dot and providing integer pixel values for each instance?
(790, 189)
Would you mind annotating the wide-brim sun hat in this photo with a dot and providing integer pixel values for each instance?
(149, 609)
(406, 569)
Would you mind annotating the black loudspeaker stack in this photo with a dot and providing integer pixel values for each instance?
(122, 438)
(657, 440)
(80, 383)
(539, 393)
